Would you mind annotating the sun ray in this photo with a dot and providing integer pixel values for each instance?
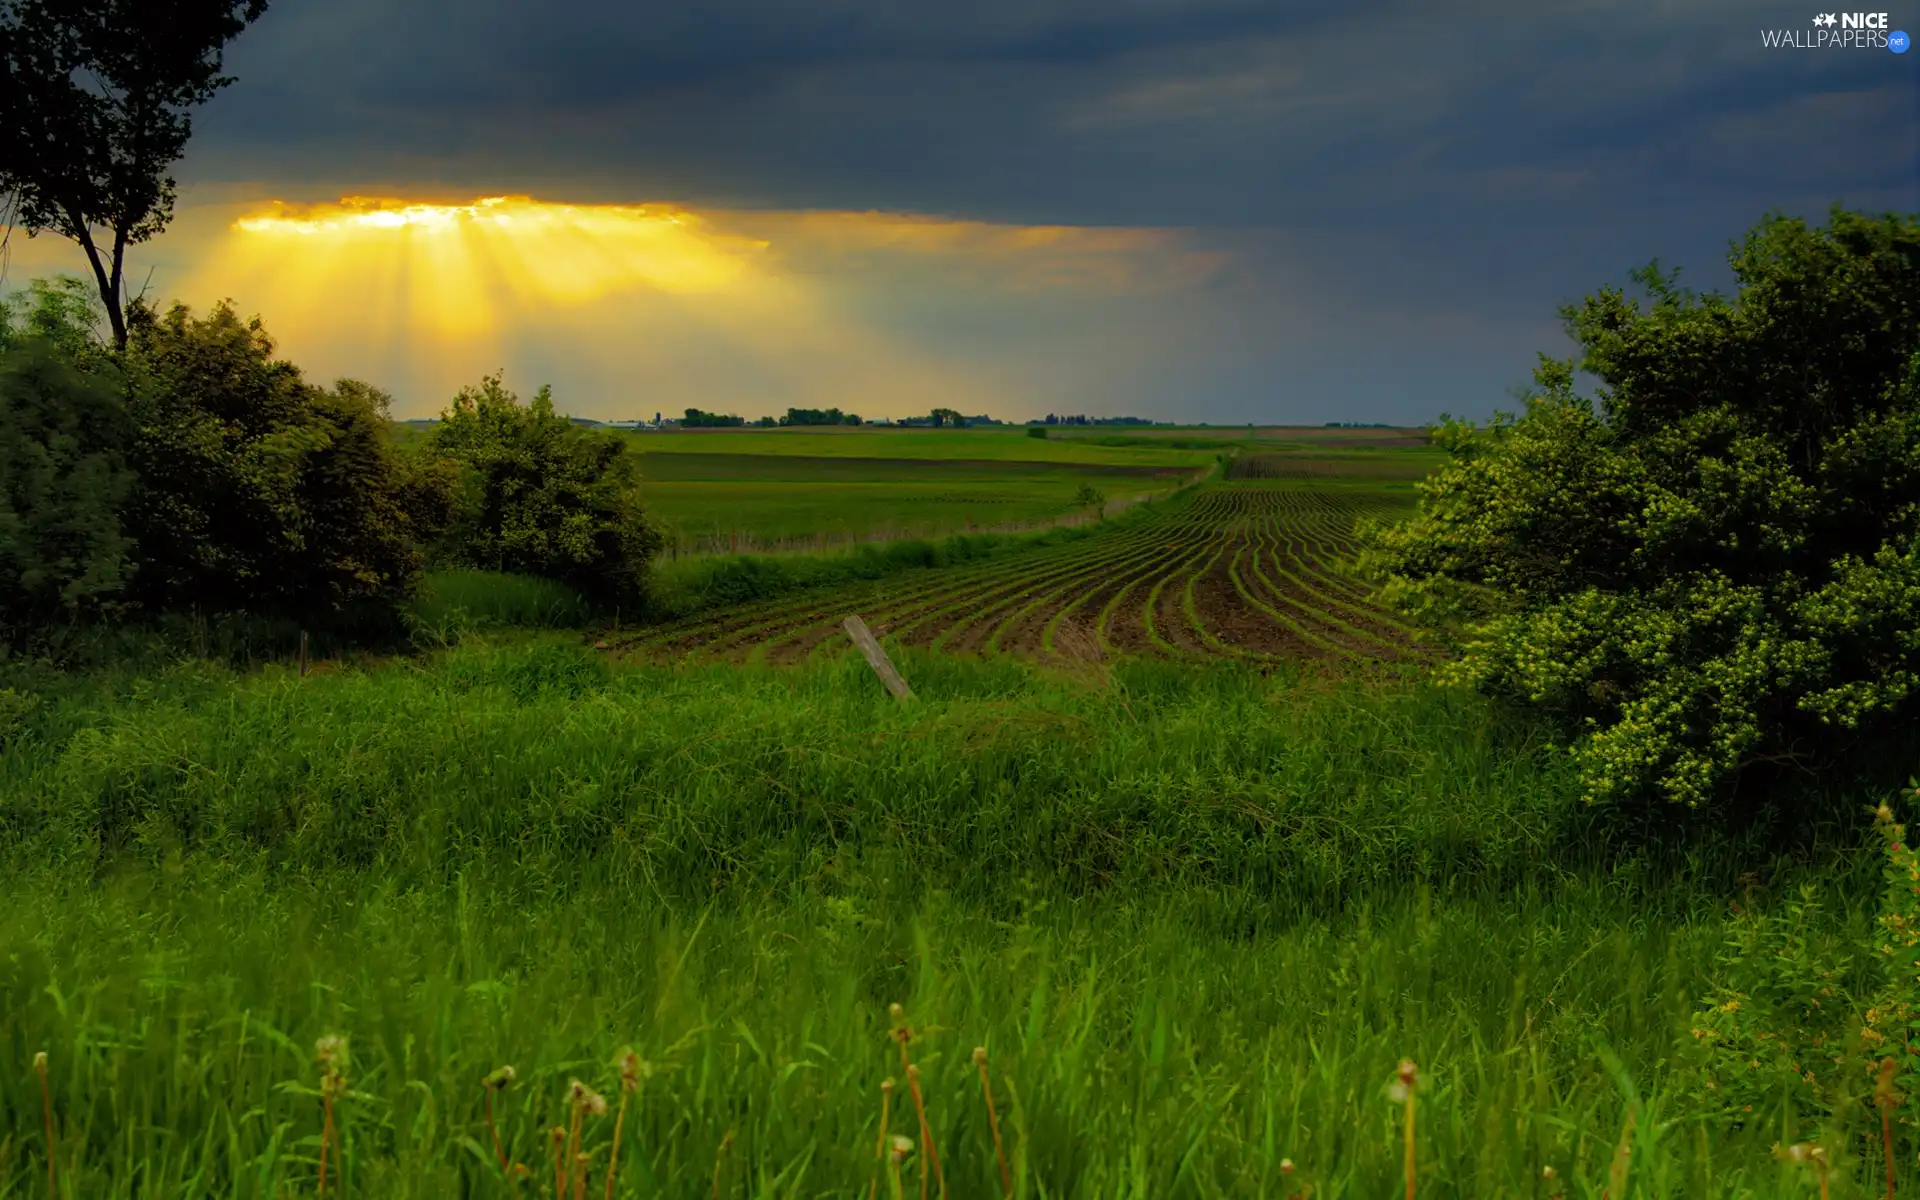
(423, 294)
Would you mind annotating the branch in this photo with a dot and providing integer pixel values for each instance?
(11, 203)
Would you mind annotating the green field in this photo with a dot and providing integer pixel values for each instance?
(765, 500)
(1242, 570)
(747, 490)
(729, 490)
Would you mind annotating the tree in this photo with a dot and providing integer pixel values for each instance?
(1717, 564)
(259, 492)
(64, 437)
(96, 95)
(948, 417)
(543, 496)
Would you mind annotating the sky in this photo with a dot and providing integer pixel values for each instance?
(1216, 211)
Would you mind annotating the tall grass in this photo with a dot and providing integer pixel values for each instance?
(469, 599)
(1196, 918)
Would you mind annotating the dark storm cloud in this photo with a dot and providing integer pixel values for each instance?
(1149, 112)
(1454, 166)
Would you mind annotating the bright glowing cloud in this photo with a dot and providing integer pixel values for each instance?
(752, 309)
(461, 269)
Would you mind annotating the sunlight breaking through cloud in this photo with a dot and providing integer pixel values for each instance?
(753, 308)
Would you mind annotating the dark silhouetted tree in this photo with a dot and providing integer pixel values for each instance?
(95, 96)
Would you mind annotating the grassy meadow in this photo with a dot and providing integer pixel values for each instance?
(1194, 947)
(1196, 911)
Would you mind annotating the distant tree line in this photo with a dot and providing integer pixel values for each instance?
(1083, 419)
(696, 419)
(818, 416)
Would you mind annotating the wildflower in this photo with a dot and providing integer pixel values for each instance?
(499, 1080)
(902, 1147)
(1403, 1082)
(1286, 1166)
(330, 1050)
(1547, 1172)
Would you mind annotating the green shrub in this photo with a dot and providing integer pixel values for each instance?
(259, 492)
(543, 496)
(64, 436)
(15, 708)
(1807, 1002)
(1718, 564)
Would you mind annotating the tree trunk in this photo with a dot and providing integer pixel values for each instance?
(109, 285)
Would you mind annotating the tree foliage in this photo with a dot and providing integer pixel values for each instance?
(543, 496)
(97, 95)
(1716, 560)
(64, 437)
(258, 491)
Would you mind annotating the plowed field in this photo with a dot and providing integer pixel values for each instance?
(1238, 570)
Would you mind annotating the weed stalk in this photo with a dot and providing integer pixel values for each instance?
(497, 1082)
(880, 1146)
(46, 1107)
(1404, 1085)
(630, 1068)
(331, 1051)
(1883, 1099)
(993, 1120)
(903, 1034)
(719, 1160)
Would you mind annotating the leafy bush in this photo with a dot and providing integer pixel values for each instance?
(543, 496)
(1807, 1004)
(64, 436)
(15, 708)
(259, 492)
(1774, 1026)
(1718, 564)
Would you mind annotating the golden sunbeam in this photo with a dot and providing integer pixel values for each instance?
(668, 306)
(460, 267)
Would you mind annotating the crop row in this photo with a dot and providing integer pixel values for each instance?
(1246, 571)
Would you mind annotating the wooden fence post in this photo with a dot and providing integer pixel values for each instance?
(876, 657)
